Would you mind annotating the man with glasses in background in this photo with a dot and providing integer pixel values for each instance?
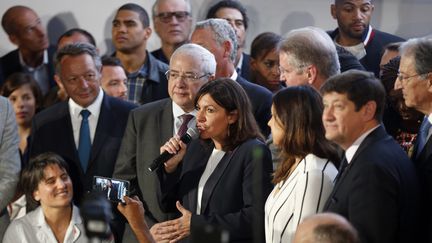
(146, 75)
(172, 22)
(415, 78)
(152, 124)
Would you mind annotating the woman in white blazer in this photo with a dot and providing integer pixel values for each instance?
(304, 178)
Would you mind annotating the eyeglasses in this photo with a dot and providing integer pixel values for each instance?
(167, 16)
(402, 77)
(188, 77)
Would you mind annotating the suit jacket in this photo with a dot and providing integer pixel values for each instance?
(245, 67)
(10, 163)
(302, 194)
(378, 191)
(148, 128)
(261, 100)
(233, 196)
(374, 47)
(52, 131)
(11, 64)
(423, 164)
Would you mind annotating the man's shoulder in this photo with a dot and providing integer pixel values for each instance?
(255, 88)
(118, 104)
(387, 36)
(153, 107)
(10, 55)
(52, 113)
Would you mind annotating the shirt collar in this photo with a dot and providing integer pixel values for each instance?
(234, 75)
(23, 64)
(143, 70)
(349, 153)
(178, 111)
(94, 108)
(240, 62)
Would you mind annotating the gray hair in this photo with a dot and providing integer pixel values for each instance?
(311, 45)
(222, 31)
(206, 58)
(76, 49)
(156, 4)
(420, 49)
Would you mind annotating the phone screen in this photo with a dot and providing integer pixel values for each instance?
(114, 189)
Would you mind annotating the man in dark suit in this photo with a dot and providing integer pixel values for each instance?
(355, 34)
(34, 55)
(60, 128)
(151, 125)
(217, 36)
(377, 187)
(415, 78)
(235, 13)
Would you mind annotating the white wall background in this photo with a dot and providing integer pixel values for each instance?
(406, 18)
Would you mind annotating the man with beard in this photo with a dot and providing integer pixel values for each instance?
(356, 35)
(33, 55)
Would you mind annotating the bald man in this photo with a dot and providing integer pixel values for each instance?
(325, 228)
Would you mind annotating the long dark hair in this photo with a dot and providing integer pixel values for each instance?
(298, 109)
(231, 96)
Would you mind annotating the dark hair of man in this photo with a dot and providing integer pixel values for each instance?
(16, 81)
(264, 43)
(111, 61)
(83, 32)
(7, 21)
(333, 233)
(228, 4)
(76, 49)
(143, 15)
(298, 110)
(231, 96)
(393, 46)
(33, 173)
(360, 87)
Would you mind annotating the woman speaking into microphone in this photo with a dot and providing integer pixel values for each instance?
(213, 180)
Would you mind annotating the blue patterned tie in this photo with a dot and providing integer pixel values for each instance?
(423, 135)
(84, 145)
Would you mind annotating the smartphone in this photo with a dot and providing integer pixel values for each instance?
(114, 189)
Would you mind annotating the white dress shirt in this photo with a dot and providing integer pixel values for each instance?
(33, 228)
(349, 153)
(76, 118)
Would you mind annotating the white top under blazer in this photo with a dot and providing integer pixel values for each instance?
(304, 193)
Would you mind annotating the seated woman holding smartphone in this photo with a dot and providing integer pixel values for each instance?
(221, 178)
(46, 183)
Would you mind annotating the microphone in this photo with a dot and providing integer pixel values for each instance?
(190, 134)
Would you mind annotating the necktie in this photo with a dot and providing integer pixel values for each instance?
(423, 135)
(185, 120)
(84, 145)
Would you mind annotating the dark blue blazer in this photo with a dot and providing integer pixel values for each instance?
(245, 67)
(378, 192)
(261, 100)
(233, 195)
(52, 131)
(374, 48)
(10, 64)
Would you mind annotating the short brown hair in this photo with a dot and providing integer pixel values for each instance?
(33, 174)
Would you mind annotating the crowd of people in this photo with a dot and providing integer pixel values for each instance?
(314, 137)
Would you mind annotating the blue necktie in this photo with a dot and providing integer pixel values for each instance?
(84, 145)
(423, 135)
